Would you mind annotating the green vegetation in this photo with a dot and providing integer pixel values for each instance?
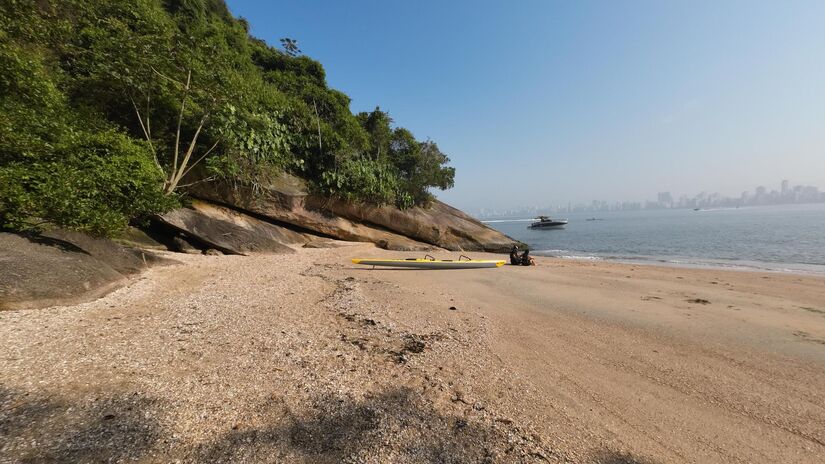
(110, 108)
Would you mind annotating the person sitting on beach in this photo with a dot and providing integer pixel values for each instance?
(527, 260)
(515, 258)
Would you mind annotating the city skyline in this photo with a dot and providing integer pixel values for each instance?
(761, 195)
(582, 99)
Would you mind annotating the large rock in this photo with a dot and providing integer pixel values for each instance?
(124, 260)
(230, 231)
(286, 199)
(63, 268)
(438, 224)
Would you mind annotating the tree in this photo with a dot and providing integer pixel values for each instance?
(181, 162)
(290, 47)
(109, 108)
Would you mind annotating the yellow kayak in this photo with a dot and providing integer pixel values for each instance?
(424, 263)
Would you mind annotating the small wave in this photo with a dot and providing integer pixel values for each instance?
(566, 254)
(580, 258)
(493, 221)
(689, 262)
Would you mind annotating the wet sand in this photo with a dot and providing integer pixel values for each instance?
(308, 358)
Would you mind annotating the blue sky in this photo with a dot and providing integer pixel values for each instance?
(545, 102)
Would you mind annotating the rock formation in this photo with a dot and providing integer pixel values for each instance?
(286, 200)
(61, 267)
(231, 232)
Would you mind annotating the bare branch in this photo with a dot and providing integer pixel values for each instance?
(318, 121)
(148, 126)
(146, 133)
(208, 179)
(140, 120)
(175, 168)
(178, 172)
(200, 159)
(167, 77)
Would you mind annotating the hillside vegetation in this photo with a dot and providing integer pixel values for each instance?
(109, 108)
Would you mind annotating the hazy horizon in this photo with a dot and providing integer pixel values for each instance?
(556, 102)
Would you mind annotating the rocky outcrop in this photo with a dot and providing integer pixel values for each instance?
(125, 260)
(62, 267)
(231, 232)
(286, 200)
(438, 224)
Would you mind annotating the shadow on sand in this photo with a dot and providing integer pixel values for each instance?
(104, 429)
(398, 425)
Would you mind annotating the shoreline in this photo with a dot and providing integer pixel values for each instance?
(700, 263)
(309, 358)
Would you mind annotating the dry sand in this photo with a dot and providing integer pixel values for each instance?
(308, 358)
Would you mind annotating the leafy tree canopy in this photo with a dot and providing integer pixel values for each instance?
(110, 108)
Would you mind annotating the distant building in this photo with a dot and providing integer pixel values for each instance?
(785, 188)
(665, 199)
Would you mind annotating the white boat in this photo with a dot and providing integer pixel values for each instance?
(545, 222)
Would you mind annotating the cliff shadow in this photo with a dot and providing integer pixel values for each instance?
(616, 457)
(396, 425)
(41, 428)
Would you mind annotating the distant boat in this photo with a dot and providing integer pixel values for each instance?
(697, 209)
(594, 219)
(545, 222)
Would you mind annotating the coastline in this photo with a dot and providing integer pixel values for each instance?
(806, 269)
(786, 238)
(308, 358)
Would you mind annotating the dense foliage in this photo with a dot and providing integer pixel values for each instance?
(110, 108)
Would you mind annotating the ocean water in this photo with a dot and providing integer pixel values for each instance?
(788, 238)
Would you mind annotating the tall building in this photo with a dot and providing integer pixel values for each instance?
(665, 199)
(785, 187)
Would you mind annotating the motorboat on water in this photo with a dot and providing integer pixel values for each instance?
(545, 222)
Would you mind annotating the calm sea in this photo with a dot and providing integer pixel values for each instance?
(779, 238)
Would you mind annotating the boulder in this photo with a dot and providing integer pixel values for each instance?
(230, 231)
(40, 271)
(285, 199)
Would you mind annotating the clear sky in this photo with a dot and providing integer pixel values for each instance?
(544, 102)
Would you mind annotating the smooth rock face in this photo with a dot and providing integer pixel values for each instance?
(285, 202)
(414, 229)
(439, 224)
(229, 231)
(122, 259)
(63, 267)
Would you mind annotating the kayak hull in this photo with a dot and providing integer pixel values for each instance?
(430, 264)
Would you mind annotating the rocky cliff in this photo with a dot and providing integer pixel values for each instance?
(287, 201)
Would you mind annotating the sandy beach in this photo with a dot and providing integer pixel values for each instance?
(308, 358)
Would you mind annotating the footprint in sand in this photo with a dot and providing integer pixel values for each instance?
(805, 336)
